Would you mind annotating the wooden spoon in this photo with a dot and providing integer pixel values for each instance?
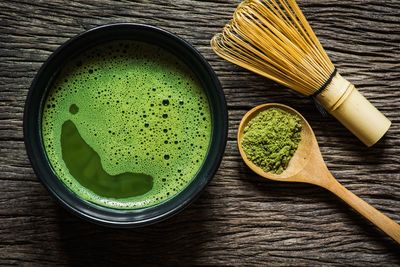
(308, 166)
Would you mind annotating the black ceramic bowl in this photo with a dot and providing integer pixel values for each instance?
(37, 96)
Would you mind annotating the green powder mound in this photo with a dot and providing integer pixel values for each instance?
(271, 138)
(126, 125)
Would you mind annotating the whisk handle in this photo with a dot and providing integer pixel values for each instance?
(343, 101)
(387, 225)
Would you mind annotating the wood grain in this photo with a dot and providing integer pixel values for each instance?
(240, 219)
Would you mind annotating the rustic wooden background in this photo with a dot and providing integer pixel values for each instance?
(239, 220)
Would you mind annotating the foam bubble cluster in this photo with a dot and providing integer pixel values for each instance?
(140, 109)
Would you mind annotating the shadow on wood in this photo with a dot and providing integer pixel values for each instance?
(175, 241)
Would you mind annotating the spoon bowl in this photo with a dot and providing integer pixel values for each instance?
(301, 156)
(308, 166)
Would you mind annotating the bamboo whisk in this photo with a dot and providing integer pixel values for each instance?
(273, 38)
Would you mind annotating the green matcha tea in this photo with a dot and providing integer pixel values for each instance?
(271, 138)
(126, 125)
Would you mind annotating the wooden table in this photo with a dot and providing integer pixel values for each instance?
(239, 220)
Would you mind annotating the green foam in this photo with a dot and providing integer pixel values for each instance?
(126, 125)
(84, 164)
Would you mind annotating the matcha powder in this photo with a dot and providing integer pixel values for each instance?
(271, 138)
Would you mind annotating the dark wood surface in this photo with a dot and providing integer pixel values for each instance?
(239, 220)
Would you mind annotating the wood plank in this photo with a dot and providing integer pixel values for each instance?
(240, 219)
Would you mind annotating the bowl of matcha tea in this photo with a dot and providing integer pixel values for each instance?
(125, 124)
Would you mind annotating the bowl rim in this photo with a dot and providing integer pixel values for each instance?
(38, 93)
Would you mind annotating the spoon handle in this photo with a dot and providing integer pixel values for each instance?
(387, 225)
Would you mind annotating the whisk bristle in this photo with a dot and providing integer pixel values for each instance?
(273, 38)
